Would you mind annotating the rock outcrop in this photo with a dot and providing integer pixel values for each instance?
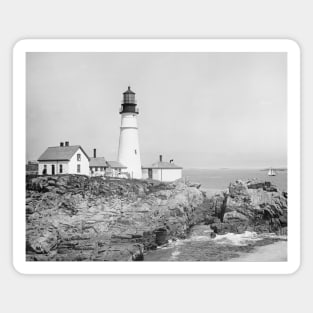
(249, 205)
(78, 218)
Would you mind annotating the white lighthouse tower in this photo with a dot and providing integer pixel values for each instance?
(128, 150)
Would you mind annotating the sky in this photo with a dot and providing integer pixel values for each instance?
(204, 110)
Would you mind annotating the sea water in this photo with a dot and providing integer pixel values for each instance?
(219, 179)
(245, 247)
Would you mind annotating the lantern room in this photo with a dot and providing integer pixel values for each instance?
(129, 102)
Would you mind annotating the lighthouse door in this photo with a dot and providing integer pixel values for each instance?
(150, 173)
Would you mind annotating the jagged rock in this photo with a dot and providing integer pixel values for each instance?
(105, 219)
(235, 216)
(42, 242)
(250, 205)
(161, 236)
(80, 218)
(200, 230)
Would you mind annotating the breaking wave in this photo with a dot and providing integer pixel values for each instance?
(201, 246)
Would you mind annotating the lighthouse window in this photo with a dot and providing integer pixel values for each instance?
(135, 151)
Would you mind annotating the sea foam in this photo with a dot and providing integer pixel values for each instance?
(238, 239)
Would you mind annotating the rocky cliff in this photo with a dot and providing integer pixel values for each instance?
(77, 218)
(249, 206)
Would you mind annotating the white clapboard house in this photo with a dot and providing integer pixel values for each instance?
(162, 171)
(63, 159)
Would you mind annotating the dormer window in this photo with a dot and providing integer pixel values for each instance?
(78, 156)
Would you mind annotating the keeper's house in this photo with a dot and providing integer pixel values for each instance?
(64, 159)
(163, 171)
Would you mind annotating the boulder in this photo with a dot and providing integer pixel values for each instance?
(250, 205)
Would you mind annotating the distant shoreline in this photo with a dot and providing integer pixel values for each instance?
(276, 169)
(234, 169)
(221, 178)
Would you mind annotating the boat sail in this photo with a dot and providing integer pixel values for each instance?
(271, 172)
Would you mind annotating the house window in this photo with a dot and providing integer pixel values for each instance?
(78, 157)
(135, 151)
(44, 171)
(78, 168)
(61, 169)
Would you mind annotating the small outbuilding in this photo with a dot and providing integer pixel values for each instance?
(163, 171)
(63, 159)
(97, 165)
(116, 169)
(32, 168)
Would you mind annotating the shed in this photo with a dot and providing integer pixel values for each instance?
(163, 171)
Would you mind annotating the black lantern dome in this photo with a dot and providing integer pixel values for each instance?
(129, 102)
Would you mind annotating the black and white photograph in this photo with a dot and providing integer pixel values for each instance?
(156, 157)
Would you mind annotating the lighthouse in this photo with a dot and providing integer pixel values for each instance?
(128, 150)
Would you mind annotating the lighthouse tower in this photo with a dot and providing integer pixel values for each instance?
(128, 150)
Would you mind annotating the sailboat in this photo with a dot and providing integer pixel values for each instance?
(271, 172)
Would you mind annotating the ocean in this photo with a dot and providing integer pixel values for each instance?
(219, 179)
(246, 247)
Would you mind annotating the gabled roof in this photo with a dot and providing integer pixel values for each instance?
(59, 153)
(163, 165)
(115, 164)
(97, 162)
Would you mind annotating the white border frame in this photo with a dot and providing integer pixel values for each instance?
(155, 45)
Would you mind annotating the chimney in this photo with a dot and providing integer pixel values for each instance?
(94, 153)
(61, 144)
(67, 143)
(161, 157)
